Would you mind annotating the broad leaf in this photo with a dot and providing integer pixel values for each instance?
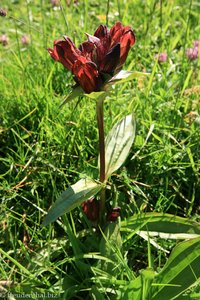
(110, 243)
(118, 144)
(125, 76)
(181, 271)
(141, 287)
(134, 289)
(71, 198)
(77, 91)
(162, 225)
(96, 95)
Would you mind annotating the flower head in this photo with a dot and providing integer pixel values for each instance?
(68, 2)
(102, 54)
(55, 3)
(25, 40)
(4, 39)
(113, 214)
(91, 209)
(196, 43)
(3, 12)
(162, 57)
(192, 53)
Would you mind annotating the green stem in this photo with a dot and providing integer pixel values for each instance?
(107, 11)
(100, 122)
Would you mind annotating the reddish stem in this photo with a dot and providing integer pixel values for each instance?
(100, 122)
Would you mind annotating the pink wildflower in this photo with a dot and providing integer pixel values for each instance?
(4, 39)
(162, 57)
(25, 40)
(55, 3)
(196, 43)
(192, 53)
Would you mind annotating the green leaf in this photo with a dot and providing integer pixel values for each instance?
(118, 144)
(111, 237)
(125, 76)
(95, 293)
(181, 271)
(134, 289)
(96, 95)
(148, 276)
(162, 225)
(71, 198)
(141, 287)
(110, 244)
(77, 91)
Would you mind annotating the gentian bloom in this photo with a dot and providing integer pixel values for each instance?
(91, 209)
(101, 55)
(114, 214)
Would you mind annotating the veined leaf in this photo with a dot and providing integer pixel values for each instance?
(118, 144)
(162, 225)
(181, 271)
(71, 198)
(124, 76)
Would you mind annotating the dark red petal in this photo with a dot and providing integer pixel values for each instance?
(111, 60)
(62, 57)
(91, 209)
(126, 42)
(70, 53)
(53, 54)
(87, 74)
(102, 31)
(65, 52)
(53, 51)
(87, 49)
(93, 39)
(116, 32)
(130, 35)
(113, 214)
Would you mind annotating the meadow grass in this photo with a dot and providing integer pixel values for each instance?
(45, 148)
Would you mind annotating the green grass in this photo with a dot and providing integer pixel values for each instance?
(44, 148)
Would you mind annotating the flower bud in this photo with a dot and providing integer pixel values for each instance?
(55, 3)
(25, 40)
(192, 53)
(162, 57)
(3, 12)
(4, 40)
(113, 214)
(91, 209)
